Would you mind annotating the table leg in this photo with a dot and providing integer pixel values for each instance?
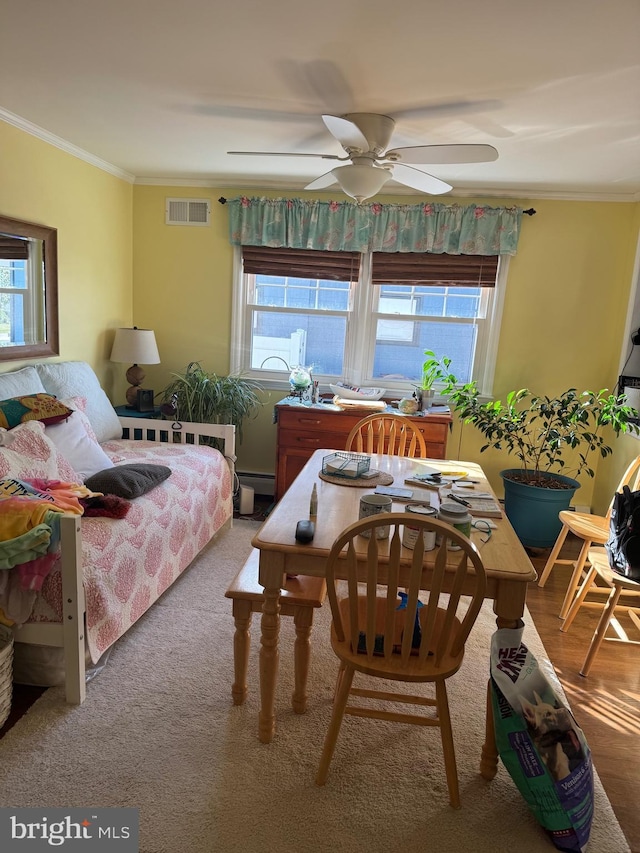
(269, 656)
(303, 620)
(508, 606)
(241, 644)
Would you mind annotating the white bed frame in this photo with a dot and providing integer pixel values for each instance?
(70, 633)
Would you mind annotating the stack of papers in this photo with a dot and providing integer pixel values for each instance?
(480, 503)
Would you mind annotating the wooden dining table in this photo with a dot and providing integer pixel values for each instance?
(507, 565)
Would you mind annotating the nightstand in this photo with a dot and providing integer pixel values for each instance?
(126, 412)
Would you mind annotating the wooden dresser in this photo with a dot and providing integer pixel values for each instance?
(304, 429)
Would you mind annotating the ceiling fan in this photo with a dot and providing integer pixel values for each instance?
(365, 137)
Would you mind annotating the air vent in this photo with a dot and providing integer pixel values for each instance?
(187, 211)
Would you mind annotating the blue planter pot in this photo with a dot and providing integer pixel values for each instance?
(533, 511)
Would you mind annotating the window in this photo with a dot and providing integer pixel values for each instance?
(364, 319)
(19, 318)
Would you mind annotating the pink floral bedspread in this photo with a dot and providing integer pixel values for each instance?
(128, 563)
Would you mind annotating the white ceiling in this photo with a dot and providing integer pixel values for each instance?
(161, 89)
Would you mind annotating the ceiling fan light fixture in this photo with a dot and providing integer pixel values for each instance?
(361, 182)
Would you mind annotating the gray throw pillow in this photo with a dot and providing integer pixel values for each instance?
(128, 481)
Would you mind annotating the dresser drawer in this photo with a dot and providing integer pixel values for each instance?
(302, 430)
(312, 438)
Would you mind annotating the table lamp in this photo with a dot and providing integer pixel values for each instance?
(137, 346)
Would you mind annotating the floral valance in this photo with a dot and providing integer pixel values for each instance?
(347, 227)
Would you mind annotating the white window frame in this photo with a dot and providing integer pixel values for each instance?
(32, 321)
(360, 334)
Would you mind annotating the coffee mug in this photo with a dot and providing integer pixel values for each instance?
(372, 505)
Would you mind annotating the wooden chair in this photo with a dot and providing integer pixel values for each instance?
(615, 585)
(592, 529)
(371, 635)
(387, 433)
(299, 597)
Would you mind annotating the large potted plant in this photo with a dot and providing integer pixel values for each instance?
(202, 397)
(539, 431)
(434, 370)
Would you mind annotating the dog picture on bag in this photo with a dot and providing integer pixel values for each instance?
(554, 733)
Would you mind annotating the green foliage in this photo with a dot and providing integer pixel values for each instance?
(201, 397)
(537, 430)
(436, 370)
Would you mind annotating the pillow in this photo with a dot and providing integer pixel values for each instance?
(18, 382)
(128, 481)
(79, 405)
(80, 449)
(77, 379)
(32, 407)
(32, 455)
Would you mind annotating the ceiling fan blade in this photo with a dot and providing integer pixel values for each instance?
(323, 181)
(328, 84)
(437, 154)
(346, 132)
(305, 116)
(418, 180)
(447, 108)
(317, 82)
(286, 154)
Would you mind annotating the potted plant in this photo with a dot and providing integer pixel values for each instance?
(537, 431)
(433, 370)
(202, 397)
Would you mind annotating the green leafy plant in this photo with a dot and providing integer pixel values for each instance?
(538, 430)
(202, 397)
(436, 370)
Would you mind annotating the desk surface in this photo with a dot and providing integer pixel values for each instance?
(338, 506)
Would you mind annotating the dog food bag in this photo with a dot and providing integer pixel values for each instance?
(540, 743)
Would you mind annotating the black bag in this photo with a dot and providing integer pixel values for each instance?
(623, 545)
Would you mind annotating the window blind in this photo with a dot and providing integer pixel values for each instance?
(301, 263)
(13, 249)
(431, 269)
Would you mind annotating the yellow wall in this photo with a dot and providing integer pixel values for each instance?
(92, 211)
(564, 316)
(562, 327)
(119, 264)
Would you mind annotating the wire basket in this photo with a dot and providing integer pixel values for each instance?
(6, 672)
(343, 464)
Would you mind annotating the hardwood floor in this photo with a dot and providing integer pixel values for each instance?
(606, 704)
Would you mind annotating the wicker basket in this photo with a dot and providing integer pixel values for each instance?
(6, 672)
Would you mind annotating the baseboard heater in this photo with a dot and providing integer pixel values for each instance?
(262, 484)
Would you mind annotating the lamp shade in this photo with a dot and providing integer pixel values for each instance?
(361, 182)
(135, 346)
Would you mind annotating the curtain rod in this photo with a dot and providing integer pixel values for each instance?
(530, 212)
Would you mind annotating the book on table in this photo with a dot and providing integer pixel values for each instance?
(481, 504)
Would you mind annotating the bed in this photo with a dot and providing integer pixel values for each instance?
(111, 570)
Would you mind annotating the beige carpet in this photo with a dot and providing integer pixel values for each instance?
(159, 732)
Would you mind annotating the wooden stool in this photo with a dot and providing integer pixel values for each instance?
(298, 598)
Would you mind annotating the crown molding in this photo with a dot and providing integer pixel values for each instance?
(460, 192)
(179, 182)
(63, 145)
